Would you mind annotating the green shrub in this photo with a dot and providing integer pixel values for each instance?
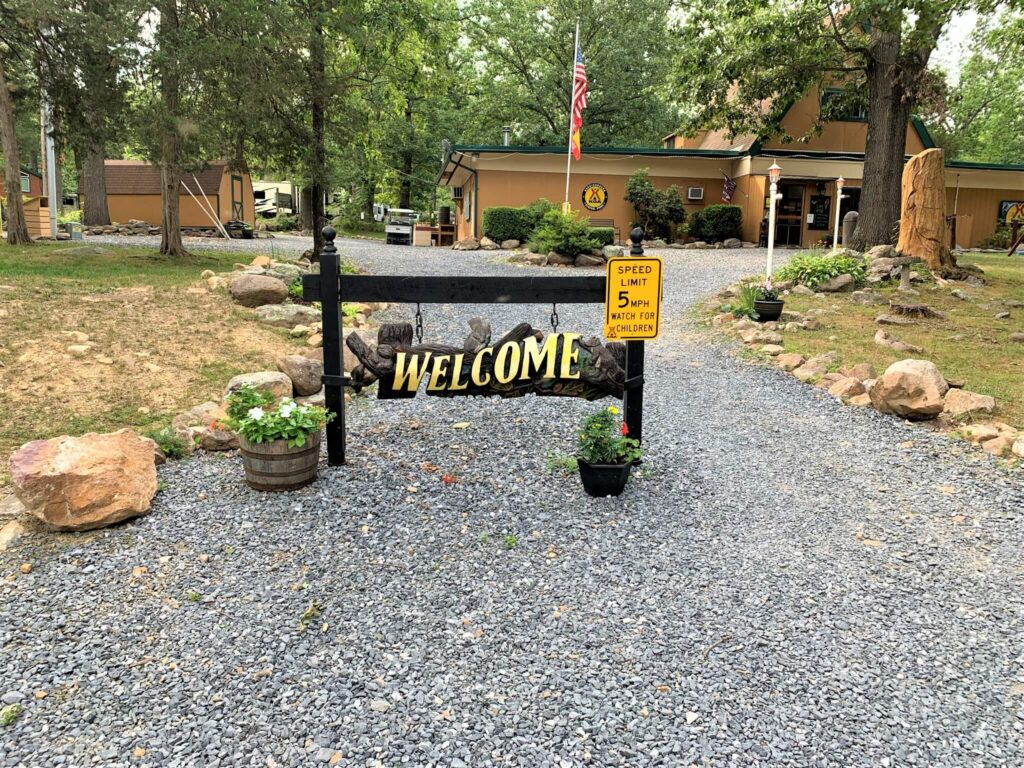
(75, 215)
(743, 303)
(567, 234)
(603, 235)
(812, 269)
(658, 211)
(283, 222)
(508, 224)
(172, 444)
(715, 223)
(505, 223)
(999, 239)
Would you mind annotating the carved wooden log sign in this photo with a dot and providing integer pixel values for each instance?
(522, 361)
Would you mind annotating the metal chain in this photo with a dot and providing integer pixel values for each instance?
(419, 324)
(554, 318)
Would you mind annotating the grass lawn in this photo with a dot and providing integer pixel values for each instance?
(162, 342)
(970, 344)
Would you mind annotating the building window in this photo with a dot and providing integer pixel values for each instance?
(26, 184)
(849, 108)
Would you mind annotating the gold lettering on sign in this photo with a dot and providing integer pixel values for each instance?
(506, 363)
(570, 356)
(410, 370)
(457, 363)
(440, 369)
(478, 379)
(536, 356)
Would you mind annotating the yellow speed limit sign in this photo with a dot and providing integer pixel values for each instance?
(632, 299)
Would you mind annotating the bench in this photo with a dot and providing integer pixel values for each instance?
(606, 224)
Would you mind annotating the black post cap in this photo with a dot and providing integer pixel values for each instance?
(328, 233)
(637, 236)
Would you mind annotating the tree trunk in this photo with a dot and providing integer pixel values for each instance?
(94, 185)
(369, 193)
(888, 113)
(318, 155)
(305, 208)
(405, 187)
(17, 228)
(170, 160)
(923, 229)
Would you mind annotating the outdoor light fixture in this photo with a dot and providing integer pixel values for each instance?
(774, 174)
(506, 132)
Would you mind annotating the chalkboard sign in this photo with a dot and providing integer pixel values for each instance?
(821, 208)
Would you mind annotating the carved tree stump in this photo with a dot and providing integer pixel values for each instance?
(923, 212)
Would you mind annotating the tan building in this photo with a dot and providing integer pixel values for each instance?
(133, 192)
(481, 177)
(34, 201)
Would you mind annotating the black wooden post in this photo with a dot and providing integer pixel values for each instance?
(633, 396)
(333, 378)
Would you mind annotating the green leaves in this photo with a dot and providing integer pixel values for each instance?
(604, 439)
(813, 269)
(658, 211)
(567, 234)
(254, 417)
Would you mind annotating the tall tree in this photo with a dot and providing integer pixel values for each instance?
(772, 53)
(17, 228)
(524, 56)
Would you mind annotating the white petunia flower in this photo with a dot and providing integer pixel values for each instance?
(286, 408)
(256, 413)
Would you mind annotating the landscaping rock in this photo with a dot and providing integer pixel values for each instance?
(486, 244)
(1002, 315)
(257, 290)
(910, 388)
(696, 245)
(1018, 447)
(612, 251)
(883, 339)
(555, 258)
(839, 284)
(304, 372)
(998, 446)
(887, 319)
(880, 252)
(861, 372)
(587, 260)
(78, 483)
(317, 398)
(847, 387)
(802, 290)
(867, 298)
(348, 357)
(536, 259)
(218, 438)
(722, 319)
(732, 242)
(815, 368)
(760, 337)
(956, 293)
(657, 243)
(862, 401)
(960, 402)
(1017, 338)
(276, 383)
(772, 349)
(467, 244)
(286, 315)
(509, 245)
(790, 361)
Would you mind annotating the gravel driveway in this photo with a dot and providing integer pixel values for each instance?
(788, 582)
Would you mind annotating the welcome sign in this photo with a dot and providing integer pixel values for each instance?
(523, 361)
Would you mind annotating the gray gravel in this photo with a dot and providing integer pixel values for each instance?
(784, 584)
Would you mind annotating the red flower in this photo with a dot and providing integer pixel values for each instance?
(625, 429)
(448, 479)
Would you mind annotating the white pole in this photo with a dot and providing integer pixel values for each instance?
(215, 214)
(772, 190)
(572, 90)
(51, 165)
(839, 204)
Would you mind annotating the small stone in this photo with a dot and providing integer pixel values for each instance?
(691, 718)
(138, 752)
(25, 567)
(772, 349)
(893, 320)
(838, 284)
(379, 705)
(789, 361)
(315, 340)
(957, 293)
(1002, 315)
(79, 350)
(1017, 338)
(847, 387)
(802, 290)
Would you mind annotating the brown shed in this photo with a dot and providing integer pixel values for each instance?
(35, 202)
(133, 192)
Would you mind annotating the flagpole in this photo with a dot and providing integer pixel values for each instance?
(572, 90)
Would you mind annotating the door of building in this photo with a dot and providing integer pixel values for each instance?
(237, 199)
(789, 218)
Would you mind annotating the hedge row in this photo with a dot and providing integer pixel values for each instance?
(715, 223)
(509, 224)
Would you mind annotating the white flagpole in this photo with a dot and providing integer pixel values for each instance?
(572, 91)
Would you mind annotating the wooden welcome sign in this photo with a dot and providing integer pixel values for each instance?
(523, 361)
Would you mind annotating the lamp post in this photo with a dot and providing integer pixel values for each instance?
(839, 204)
(774, 174)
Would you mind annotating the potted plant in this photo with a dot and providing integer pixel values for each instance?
(280, 443)
(769, 305)
(606, 453)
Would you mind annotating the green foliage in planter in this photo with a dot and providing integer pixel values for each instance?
(743, 304)
(604, 439)
(567, 234)
(253, 415)
(999, 239)
(658, 211)
(603, 235)
(173, 445)
(812, 269)
(715, 223)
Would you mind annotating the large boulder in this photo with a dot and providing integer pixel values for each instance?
(555, 258)
(880, 252)
(960, 402)
(732, 242)
(910, 388)
(509, 245)
(78, 483)
(486, 244)
(589, 260)
(276, 383)
(304, 372)
(612, 251)
(257, 290)
(287, 315)
(843, 283)
(467, 244)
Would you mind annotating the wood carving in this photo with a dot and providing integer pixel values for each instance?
(521, 362)
(923, 213)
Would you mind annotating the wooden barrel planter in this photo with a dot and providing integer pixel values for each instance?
(275, 466)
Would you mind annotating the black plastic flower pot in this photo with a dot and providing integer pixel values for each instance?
(603, 479)
(768, 311)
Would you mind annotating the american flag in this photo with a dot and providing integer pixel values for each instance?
(579, 101)
(728, 187)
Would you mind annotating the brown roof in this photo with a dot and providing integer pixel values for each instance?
(138, 177)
